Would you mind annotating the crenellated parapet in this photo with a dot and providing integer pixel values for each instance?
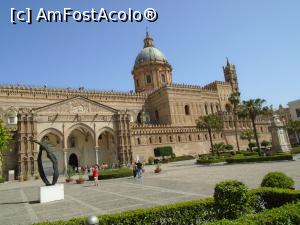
(63, 93)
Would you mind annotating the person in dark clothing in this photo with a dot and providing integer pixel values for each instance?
(139, 166)
(134, 169)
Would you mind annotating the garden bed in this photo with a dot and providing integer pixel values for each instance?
(113, 173)
(275, 157)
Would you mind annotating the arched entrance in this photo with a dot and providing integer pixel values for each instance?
(73, 161)
(107, 147)
(81, 144)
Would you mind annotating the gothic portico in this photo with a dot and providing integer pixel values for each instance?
(81, 131)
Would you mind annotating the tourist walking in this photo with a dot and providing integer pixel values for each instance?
(96, 174)
(134, 169)
(139, 167)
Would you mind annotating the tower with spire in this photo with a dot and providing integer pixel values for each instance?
(151, 68)
(231, 76)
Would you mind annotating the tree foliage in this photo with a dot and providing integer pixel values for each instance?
(210, 123)
(252, 109)
(235, 101)
(5, 139)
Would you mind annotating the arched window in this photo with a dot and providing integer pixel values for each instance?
(150, 140)
(156, 115)
(262, 129)
(138, 141)
(148, 78)
(190, 138)
(206, 111)
(199, 137)
(137, 82)
(187, 110)
(139, 119)
(212, 108)
(214, 137)
(171, 139)
(205, 136)
(179, 139)
(159, 139)
(163, 78)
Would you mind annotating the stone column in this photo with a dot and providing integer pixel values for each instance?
(97, 155)
(65, 161)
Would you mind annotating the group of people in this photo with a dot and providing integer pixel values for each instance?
(137, 169)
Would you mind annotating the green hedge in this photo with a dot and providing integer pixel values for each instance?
(285, 215)
(2, 179)
(182, 158)
(240, 159)
(113, 173)
(186, 213)
(295, 150)
(180, 213)
(276, 197)
(277, 180)
(163, 151)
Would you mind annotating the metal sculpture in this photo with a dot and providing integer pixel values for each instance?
(52, 157)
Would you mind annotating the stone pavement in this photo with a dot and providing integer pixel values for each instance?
(179, 181)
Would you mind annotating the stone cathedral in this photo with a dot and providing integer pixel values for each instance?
(87, 127)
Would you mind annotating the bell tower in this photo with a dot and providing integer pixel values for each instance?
(231, 76)
(151, 69)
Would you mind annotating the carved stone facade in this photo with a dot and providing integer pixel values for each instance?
(87, 127)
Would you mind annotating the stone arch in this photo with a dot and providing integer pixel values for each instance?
(107, 145)
(54, 131)
(79, 126)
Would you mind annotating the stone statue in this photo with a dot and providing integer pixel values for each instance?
(52, 157)
(280, 138)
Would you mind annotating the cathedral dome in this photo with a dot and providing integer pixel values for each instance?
(150, 54)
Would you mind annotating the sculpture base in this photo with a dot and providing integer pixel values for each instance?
(52, 193)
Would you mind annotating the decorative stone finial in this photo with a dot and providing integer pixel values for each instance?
(148, 41)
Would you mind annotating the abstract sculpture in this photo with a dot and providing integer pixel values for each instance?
(52, 157)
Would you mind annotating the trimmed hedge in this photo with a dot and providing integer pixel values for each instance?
(285, 215)
(277, 180)
(231, 199)
(192, 212)
(295, 150)
(276, 197)
(113, 173)
(239, 159)
(208, 159)
(182, 158)
(2, 179)
(163, 151)
(180, 213)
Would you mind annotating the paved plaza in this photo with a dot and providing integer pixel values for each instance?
(179, 181)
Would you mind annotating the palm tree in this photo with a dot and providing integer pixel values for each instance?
(293, 127)
(5, 138)
(247, 135)
(252, 109)
(211, 123)
(235, 101)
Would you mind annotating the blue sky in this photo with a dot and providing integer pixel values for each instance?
(262, 38)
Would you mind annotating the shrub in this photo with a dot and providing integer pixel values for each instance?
(2, 179)
(295, 150)
(181, 158)
(163, 151)
(113, 173)
(265, 143)
(241, 159)
(208, 159)
(276, 197)
(251, 145)
(285, 215)
(229, 147)
(277, 180)
(231, 199)
(180, 213)
(150, 159)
